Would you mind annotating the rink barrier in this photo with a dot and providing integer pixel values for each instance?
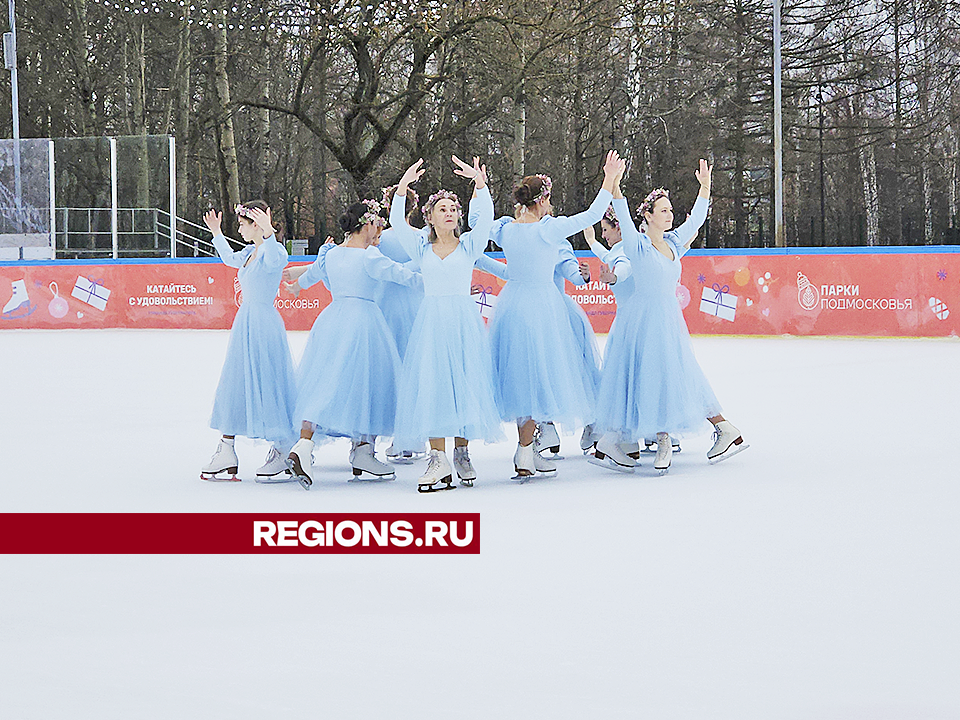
(865, 292)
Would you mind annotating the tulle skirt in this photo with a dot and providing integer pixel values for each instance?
(538, 361)
(257, 391)
(651, 379)
(400, 305)
(586, 342)
(446, 385)
(347, 379)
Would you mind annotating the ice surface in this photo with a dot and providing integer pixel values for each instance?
(816, 575)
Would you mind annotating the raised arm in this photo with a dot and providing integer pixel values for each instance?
(381, 267)
(563, 227)
(409, 237)
(698, 215)
(569, 266)
(273, 254)
(317, 272)
(230, 258)
(487, 264)
(481, 219)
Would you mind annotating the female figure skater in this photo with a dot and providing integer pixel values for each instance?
(537, 361)
(256, 393)
(446, 386)
(346, 381)
(652, 382)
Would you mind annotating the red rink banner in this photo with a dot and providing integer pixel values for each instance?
(239, 533)
(887, 292)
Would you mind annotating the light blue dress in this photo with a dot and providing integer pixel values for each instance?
(257, 393)
(446, 385)
(538, 361)
(398, 303)
(347, 379)
(568, 268)
(617, 261)
(651, 379)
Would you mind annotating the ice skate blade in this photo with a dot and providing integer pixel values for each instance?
(467, 482)
(293, 464)
(606, 462)
(652, 450)
(282, 477)
(729, 453)
(214, 477)
(442, 484)
(401, 459)
(662, 471)
(547, 473)
(364, 476)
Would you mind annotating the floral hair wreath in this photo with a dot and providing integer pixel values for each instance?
(437, 197)
(545, 189)
(650, 200)
(389, 192)
(373, 214)
(611, 216)
(243, 212)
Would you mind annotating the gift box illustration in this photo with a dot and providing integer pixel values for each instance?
(92, 292)
(485, 300)
(718, 301)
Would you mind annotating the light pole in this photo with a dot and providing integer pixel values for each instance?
(780, 234)
(10, 61)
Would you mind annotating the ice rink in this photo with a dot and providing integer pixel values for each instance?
(816, 575)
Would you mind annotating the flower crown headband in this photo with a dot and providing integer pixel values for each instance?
(373, 214)
(545, 189)
(650, 200)
(390, 192)
(243, 212)
(437, 197)
(611, 217)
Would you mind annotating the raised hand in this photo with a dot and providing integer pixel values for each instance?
(607, 276)
(704, 175)
(262, 220)
(584, 271)
(410, 176)
(475, 172)
(213, 221)
(614, 165)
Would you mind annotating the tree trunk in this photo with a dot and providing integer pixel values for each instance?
(229, 167)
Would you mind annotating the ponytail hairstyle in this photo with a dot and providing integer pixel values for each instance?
(432, 202)
(359, 214)
(532, 189)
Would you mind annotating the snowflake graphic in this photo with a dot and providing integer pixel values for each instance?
(941, 274)
(701, 278)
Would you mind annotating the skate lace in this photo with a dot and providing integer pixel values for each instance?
(433, 463)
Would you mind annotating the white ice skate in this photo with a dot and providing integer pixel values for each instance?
(588, 439)
(727, 442)
(439, 474)
(300, 462)
(546, 439)
(399, 457)
(609, 455)
(650, 445)
(632, 449)
(223, 465)
(274, 468)
(661, 463)
(18, 305)
(544, 466)
(524, 463)
(367, 467)
(465, 471)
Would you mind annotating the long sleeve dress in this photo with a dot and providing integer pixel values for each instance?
(617, 261)
(568, 268)
(347, 379)
(538, 361)
(257, 392)
(651, 379)
(398, 303)
(446, 385)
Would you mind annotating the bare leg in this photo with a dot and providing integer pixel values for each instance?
(526, 428)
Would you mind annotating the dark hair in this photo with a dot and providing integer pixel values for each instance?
(529, 190)
(350, 220)
(254, 205)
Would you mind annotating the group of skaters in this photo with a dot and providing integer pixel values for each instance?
(402, 351)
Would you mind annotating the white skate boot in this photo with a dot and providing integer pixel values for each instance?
(439, 474)
(609, 455)
(546, 439)
(465, 471)
(300, 462)
(661, 463)
(727, 442)
(588, 439)
(19, 303)
(274, 468)
(524, 463)
(365, 464)
(631, 449)
(544, 466)
(223, 465)
(650, 445)
(399, 457)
